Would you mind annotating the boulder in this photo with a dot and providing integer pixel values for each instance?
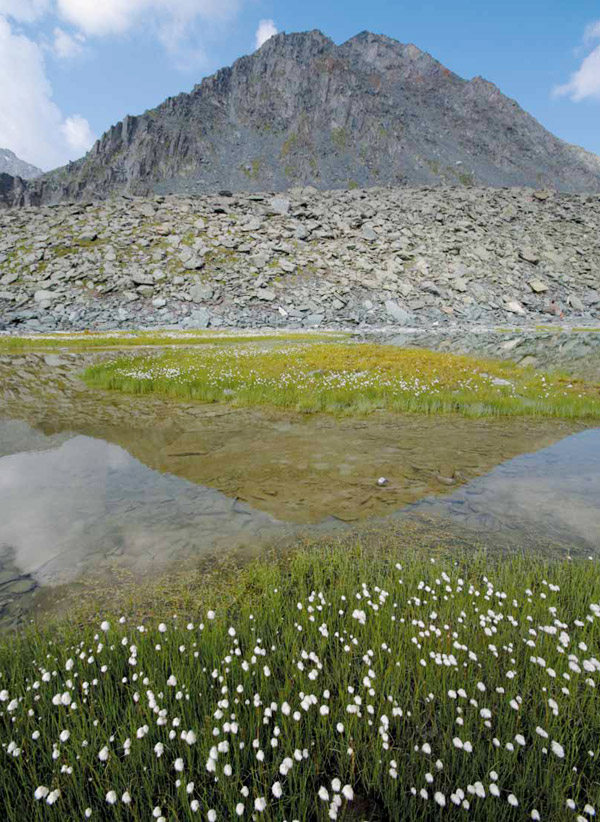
(575, 303)
(44, 296)
(200, 293)
(529, 255)
(266, 294)
(369, 233)
(280, 205)
(397, 313)
(515, 308)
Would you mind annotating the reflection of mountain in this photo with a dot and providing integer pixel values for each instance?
(301, 469)
(305, 470)
(553, 494)
(88, 505)
(17, 436)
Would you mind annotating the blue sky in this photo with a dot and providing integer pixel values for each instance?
(71, 68)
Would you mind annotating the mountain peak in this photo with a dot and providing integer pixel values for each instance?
(11, 164)
(302, 110)
(295, 40)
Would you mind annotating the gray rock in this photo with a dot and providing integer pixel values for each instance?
(142, 278)
(286, 266)
(266, 294)
(199, 318)
(529, 255)
(280, 205)
(201, 293)
(88, 236)
(515, 308)
(369, 233)
(398, 313)
(575, 303)
(53, 360)
(443, 257)
(193, 263)
(430, 288)
(260, 260)
(44, 296)
(301, 232)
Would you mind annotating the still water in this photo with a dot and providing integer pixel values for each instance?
(74, 504)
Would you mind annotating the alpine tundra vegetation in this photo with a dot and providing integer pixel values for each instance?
(334, 684)
(350, 378)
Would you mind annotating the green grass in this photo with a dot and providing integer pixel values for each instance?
(350, 378)
(78, 341)
(383, 664)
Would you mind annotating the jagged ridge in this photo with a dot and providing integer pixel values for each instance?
(302, 110)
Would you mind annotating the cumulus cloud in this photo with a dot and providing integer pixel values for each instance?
(266, 29)
(31, 124)
(66, 45)
(78, 134)
(592, 32)
(585, 82)
(26, 11)
(104, 17)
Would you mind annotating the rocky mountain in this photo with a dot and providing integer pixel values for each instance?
(302, 110)
(405, 257)
(12, 165)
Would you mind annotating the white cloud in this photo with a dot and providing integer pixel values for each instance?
(103, 17)
(592, 32)
(31, 124)
(266, 29)
(180, 25)
(78, 134)
(66, 45)
(585, 82)
(26, 11)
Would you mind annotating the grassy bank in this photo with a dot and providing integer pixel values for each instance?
(82, 341)
(350, 378)
(331, 685)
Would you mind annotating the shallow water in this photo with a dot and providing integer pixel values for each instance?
(74, 503)
(552, 497)
(92, 483)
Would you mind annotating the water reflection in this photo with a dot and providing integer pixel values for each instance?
(85, 503)
(552, 495)
(73, 505)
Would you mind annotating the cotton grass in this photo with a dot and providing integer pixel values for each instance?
(348, 378)
(431, 703)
